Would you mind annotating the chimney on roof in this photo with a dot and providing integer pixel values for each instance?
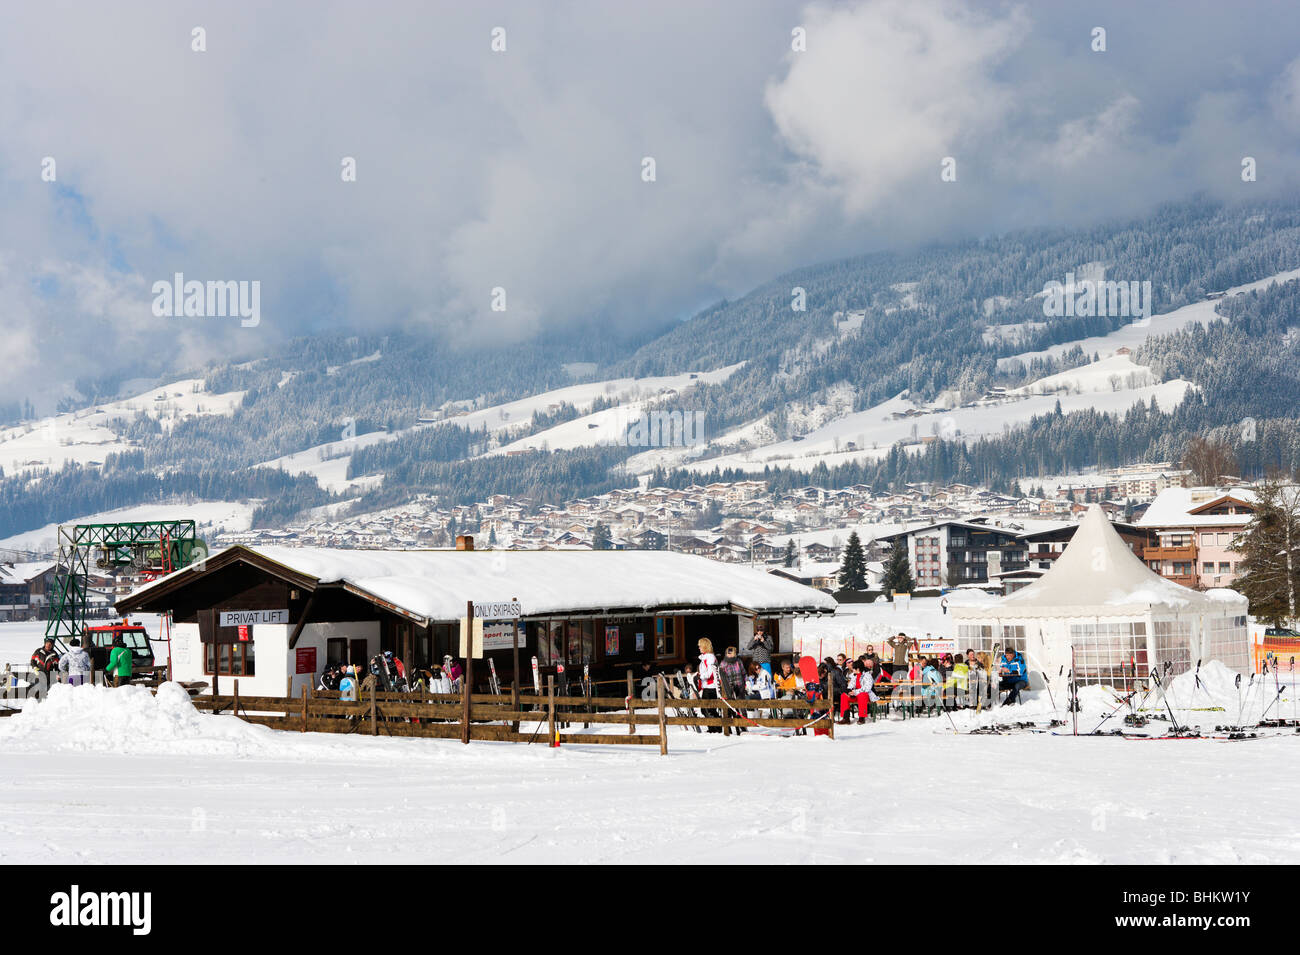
(464, 541)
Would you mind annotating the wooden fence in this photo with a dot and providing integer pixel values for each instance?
(487, 716)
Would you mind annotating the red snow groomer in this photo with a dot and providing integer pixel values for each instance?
(99, 643)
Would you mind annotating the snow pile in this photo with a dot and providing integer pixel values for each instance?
(1218, 686)
(127, 719)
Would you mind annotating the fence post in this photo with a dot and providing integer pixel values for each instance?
(234, 707)
(304, 709)
(550, 706)
(514, 694)
(465, 695)
(374, 716)
(724, 711)
(631, 713)
(830, 702)
(663, 722)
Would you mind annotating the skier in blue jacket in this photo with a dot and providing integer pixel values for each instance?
(1014, 673)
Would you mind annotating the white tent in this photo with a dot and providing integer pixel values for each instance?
(1102, 611)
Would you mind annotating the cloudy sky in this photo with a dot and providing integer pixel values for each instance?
(522, 169)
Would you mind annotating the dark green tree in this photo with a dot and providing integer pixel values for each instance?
(853, 569)
(898, 569)
(600, 537)
(1270, 576)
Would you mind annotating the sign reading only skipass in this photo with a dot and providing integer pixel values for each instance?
(497, 609)
(246, 618)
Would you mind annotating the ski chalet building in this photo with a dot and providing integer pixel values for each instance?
(273, 617)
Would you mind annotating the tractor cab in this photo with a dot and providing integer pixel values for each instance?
(99, 642)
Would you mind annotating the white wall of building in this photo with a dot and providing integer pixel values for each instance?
(275, 661)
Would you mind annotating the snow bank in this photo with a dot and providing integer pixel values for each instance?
(128, 719)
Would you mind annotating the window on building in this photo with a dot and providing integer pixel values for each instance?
(1207, 567)
(229, 659)
(666, 638)
(1225, 567)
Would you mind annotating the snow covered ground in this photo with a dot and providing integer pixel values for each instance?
(217, 790)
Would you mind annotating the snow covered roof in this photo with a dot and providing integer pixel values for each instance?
(1098, 573)
(1173, 506)
(435, 584)
(26, 571)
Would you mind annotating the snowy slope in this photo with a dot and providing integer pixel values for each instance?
(875, 430)
(1131, 336)
(207, 515)
(85, 436)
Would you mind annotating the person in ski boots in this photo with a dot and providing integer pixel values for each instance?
(1014, 675)
(75, 663)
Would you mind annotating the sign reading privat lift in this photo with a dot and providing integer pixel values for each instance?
(246, 618)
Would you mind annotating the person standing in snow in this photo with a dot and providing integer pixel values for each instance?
(348, 684)
(453, 671)
(834, 686)
(1014, 675)
(119, 663)
(731, 671)
(899, 646)
(760, 649)
(329, 680)
(708, 675)
(75, 663)
(45, 658)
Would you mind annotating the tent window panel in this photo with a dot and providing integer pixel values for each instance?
(1173, 645)
(1227, 641)
(1113, 653)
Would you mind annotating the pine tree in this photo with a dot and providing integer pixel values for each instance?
(898, 569)
(600, 537)
(791, 555)
(853, 571)
(1270, 576)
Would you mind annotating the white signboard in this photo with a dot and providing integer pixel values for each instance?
(498, 636)
(244, 618)
(497, 609)
(937, 645)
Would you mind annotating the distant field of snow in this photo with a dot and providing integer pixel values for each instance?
(875, 430)
(328, 463)
(512, 414)
(85, 436)
(1132, 336)
(207, 515)
(1114, 373)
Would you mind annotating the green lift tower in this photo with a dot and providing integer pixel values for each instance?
(153, 548)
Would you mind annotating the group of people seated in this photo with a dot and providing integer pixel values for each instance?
(954, 681)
